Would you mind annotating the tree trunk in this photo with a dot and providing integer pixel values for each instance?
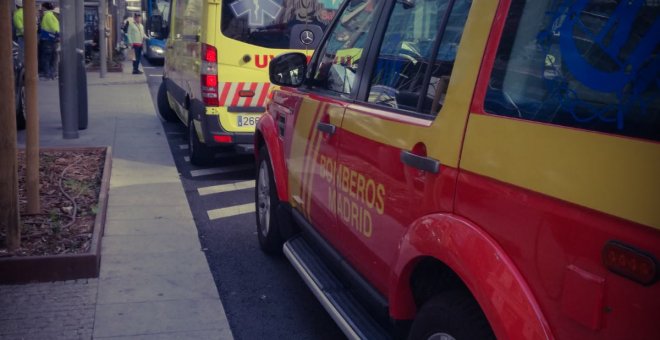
(32, 128)
(9, 217)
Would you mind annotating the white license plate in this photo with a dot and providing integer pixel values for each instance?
(247, 120)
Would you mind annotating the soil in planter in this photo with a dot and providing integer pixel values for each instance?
(70, 181)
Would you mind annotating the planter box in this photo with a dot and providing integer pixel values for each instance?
(22, 269)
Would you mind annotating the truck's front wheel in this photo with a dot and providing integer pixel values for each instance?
(266, 201)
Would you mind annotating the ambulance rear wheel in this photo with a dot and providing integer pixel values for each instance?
(200, 154)
(266, 201)
(449, 316)
(164, 108)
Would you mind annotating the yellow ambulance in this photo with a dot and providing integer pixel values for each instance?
(215, 77)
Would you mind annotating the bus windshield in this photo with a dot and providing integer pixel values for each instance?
(158, 14)
(271, 23)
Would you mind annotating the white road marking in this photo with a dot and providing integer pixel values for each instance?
(225, 188)
(155, 75)
(186, 158)
(183, 146)
(231, 211)
(223, 170)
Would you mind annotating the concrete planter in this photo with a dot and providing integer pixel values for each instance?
(22, 269)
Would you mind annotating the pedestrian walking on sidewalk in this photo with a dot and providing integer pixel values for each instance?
(19, 28)
(49, 35)
(136, 38)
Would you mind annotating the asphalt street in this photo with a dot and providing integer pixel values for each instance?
(263, 296)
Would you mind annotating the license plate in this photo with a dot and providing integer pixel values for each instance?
(247, 120)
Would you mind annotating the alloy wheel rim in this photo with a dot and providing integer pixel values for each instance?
(264, 199)
(441, 336)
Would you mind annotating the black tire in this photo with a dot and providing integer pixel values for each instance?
(200, 154)
(164, 108)
(454, 314)
(266, 203)
(20, 107)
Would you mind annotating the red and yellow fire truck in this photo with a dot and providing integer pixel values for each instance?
(456, 169)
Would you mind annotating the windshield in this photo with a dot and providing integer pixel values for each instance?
(276, 23)
(159, 16)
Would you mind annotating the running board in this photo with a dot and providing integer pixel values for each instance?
(337, 300)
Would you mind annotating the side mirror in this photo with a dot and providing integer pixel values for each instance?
(288, 69)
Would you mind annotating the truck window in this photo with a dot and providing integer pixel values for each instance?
(407, 52)
(592, 65)
(269, 23)
(338, 60)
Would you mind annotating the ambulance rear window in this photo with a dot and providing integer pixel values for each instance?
(592, 65)
(270, 23)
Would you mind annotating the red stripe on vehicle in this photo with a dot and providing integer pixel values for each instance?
(225, 92)
(264, 94)
(253, 88)
(236, 98)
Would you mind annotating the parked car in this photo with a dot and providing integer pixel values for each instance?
(19, 88)
(471, 169)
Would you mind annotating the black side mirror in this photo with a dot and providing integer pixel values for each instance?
(288, 69)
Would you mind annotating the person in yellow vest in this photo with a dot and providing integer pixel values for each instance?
(49, 35)
(19, 28)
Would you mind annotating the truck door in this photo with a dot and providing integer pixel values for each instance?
(312, 159)
(397, 157)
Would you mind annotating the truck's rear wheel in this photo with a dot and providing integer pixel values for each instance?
(448, 316)
(200, 154)
(164, 108)
(266, 201)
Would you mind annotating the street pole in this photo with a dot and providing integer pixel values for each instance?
(103, 13)
(69, 65)
(9, 217)
(82, 74)
(31, 108)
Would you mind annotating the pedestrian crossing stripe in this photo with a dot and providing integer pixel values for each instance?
(231, 211)
(215, 171)
(183, 146)
(225, 188)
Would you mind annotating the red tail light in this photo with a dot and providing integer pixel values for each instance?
(222, 138)
(209, 75)
(629, 262)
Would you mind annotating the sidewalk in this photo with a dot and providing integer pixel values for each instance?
(155, 282)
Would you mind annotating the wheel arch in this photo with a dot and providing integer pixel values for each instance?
(461, 248)
(265, 135)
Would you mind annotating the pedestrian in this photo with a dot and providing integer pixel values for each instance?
(48, 37)
(136, 37)
(19, 27)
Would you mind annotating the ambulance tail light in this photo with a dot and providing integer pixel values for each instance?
(222, 138)
(629, 262)
(209, 75)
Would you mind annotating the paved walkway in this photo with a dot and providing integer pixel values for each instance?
(155, 282)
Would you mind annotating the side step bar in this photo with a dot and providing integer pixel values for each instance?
(337, 300)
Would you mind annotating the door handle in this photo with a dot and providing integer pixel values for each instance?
(327, 128)
(420, 162)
